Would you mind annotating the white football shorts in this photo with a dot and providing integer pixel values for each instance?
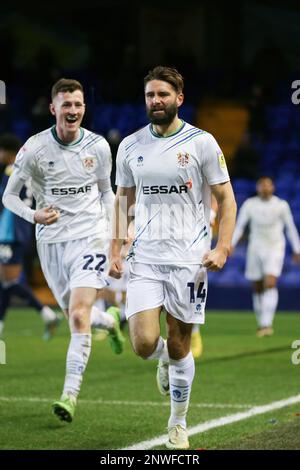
(263, 261)
(74, 263)
(181, 290)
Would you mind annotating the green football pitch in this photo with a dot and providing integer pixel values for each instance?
(120, 407)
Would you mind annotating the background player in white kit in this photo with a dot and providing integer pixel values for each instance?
(70, 171)
(267, 216)
(169, 167)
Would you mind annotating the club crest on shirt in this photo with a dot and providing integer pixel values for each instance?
(89, 163)
(183, 159)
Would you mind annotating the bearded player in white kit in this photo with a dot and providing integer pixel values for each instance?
(169, 168)
(267, 216)
(70, 168)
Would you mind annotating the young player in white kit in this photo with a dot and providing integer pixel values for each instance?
(169, 169)
(267, 216)
(70, 168)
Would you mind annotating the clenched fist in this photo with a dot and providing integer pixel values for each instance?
(46, 216)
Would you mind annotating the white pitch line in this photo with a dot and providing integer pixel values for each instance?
(124, 403)
(215, 423)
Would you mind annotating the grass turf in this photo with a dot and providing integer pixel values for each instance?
(119, 404)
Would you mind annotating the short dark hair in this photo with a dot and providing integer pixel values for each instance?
(10, 142)
(265, 177)
(166, 74)
(65, 84)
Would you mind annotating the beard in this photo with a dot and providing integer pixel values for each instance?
(170, 112)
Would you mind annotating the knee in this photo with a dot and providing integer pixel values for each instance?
(270, 283)
(258, 290)
(258, 287)
(144, 346)
(79, 318)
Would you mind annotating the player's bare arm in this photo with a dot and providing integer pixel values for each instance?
(125, 199)
(215, 259)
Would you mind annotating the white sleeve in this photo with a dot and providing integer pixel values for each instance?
(104, 185)
(124, 177)
(104, 160)
(291, 229)
(106, 193)
(25, 163)
(107, 199)
(12, 201)
(242, 220)
(214, 165)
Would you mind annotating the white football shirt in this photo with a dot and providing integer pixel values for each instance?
(66, 177)
(172, 176)
(267, 220)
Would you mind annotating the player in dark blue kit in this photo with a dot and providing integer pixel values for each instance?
(15, 238)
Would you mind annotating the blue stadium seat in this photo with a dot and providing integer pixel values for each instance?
(229, 277)
(241, 185)
(187, 112)
(278, 117)
(295, 204)
(283, 194)
(283, 184)
(296, 215)
(240, 198)
(237, 262)
(21, 127)
(296, 186)
(290, 279)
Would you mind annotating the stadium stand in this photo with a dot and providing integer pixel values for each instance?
(279, 151)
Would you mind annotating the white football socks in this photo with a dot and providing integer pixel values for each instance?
(181, 375)
(161, 351)
(269, 305)
(77, 359)
(47, 314)
(257, 301)
(101, 319)
(100, 304)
